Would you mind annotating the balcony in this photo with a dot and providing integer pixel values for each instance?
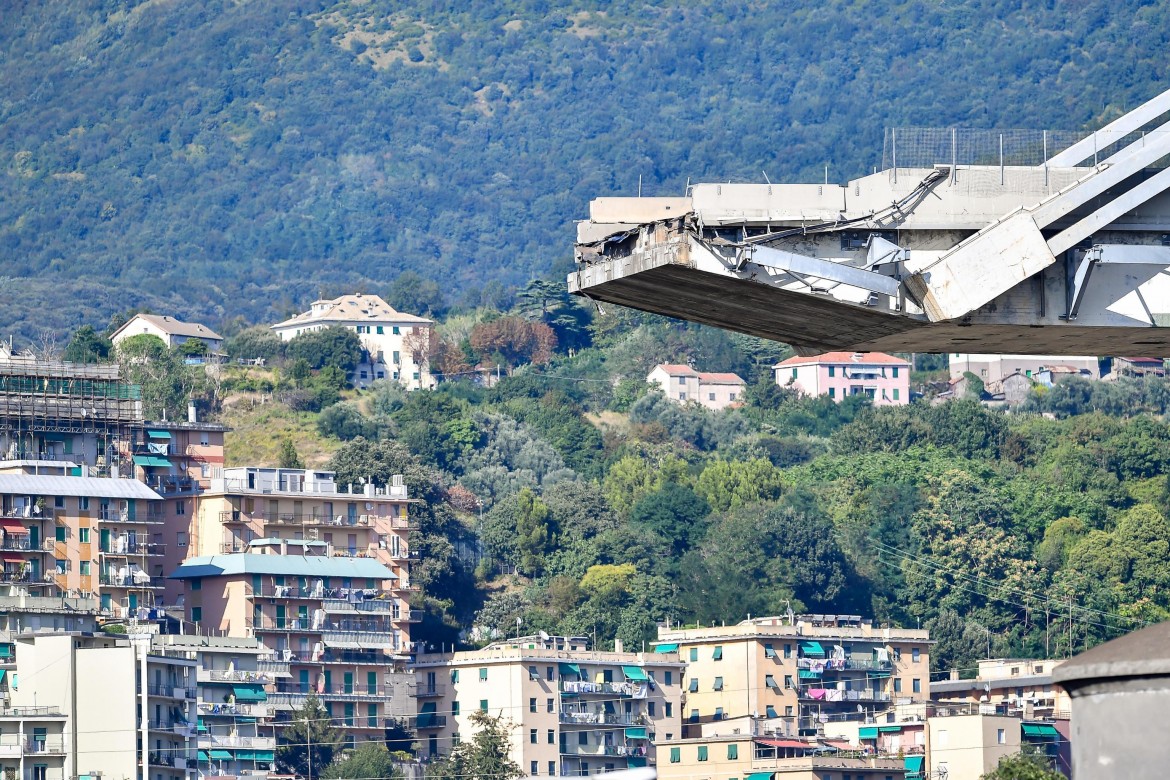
(20, 542)
(372, 638)
(182, 728)
(410, 616)
(30, 578)
(841, 697)
(586, 688)
(49, 746)
(33, 512)
(172, 691)
(620, 751)
(152, 515)
(172, 758)
(123, 546)
(297, 624)
(236, 741)
(257, 710)
(600, 719)
(868, 664)
(357, 693)
(234, 675)
(273, 669)
(302, 520)
(429, 720)
(173, 485)
(341, 606)
(431, 690)
(136, 580)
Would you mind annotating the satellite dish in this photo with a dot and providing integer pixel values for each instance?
(544, 636)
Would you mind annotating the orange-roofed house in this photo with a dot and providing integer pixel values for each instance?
(682, 384)
(884, 378)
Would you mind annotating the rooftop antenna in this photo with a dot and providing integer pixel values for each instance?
(765, 177)
(639, 185)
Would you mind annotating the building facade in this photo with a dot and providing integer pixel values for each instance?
(572, 710)
(397, 345)
(788, 676)
(337, 621)
(885, 379)
(723, 757)
(683, 384)
(992, 369)
(1016, 686)
(172, 332)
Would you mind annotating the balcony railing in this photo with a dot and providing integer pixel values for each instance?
(257, 710)
(32, 512)
(587, 688)
(171, 758)
(429, 720)
(355, 596)
(132, 547)
(844, 697)
(17, 542)
(341, 606)
(173, 485)
(174, 690)
(28, 577)
(600, 719)
(287, 624)
(237, 741)
(410, 616)
(426, 691)
(236, 675)
(46, 746)
(151, 515)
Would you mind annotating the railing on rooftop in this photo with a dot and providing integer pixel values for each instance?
(132, 547)
(599, 719)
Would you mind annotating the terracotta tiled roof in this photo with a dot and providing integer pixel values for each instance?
(352, 308)
(855, 358)
(675, 369)
(721, 379)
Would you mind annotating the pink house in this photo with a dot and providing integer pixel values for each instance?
(884, 378)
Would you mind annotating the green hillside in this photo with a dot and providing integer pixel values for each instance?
(227, 158)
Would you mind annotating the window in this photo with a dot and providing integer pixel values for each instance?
(84, 505)
(197, 584)
(454, 675)
(682, 396)
(668, 678)
(552, 768)
(916, 685)
(650, 709)
(832, 392)
(916, 655)
(61, 531)
(668, 708)
(59, 502)
(694, 686)
(196, 614)
(770, 681)
(395, 330)
(675, 755)
(788, 711)
(1001, 736)
(180, 507)
(455, 708)
(483, 706)
(710, 396)
(548, 675)
(85, 568)
(532, 704)
(895, 394)
(717, 655)
(532, 736)
(898, 654)
(732, 752)
(694, 716)
(534, 770)
(702, 753)
(552, 737)
(381, 331)
(483, 673)
(897, 685)
(718, 684)
(533, 675)
(769, 651)
(730, 397)
(895, 377)
(548, 703)
(395, 359)
(694, 654)
(787, 651)
(718, 713)
(582, 737)
(832, 371)
(83, 535)
(181, 538)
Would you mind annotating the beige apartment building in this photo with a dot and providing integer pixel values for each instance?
(339, 622)
(126, 710)
(788, 675)
(243, 505)
(745, 757)
(1012, 686)
(683, 384)
(572, 710)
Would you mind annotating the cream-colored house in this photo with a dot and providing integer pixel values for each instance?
(1016, 686)
(573, 711)
(397, 345)
(786, 675)
(172, 332)
(682, 384)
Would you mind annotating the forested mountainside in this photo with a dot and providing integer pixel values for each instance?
(227, 158)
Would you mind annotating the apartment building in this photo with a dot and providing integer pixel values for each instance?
(683, 384)
(126, 710)
(33, 743)
(735, 756)
(787, 675)
(397, 345)
(572, 710)
(235, 731)
(1015, 686)
(885, 379)
(337, 621)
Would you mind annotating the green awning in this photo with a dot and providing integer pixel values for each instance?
(5, 651)
(877, 674)
(636, 761)
(636, 733)
(159, 434)
(809, 674)
(569, 669)
(914, 763)
(889, 729)
(245, 720)
(2, 673)
(867, 732)
(760, 776)
(634, 673)
(265, 755)
(203, 756)
(248, 693)
(221, 755)
(245, 755)
(151, 461)
(200, 726)
(812, 648)
(1040, 730)
(670, 647)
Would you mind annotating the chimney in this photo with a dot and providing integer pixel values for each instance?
(369, 488)
(192, 417)
(617, 645)
(954, 674)
(284, 546)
